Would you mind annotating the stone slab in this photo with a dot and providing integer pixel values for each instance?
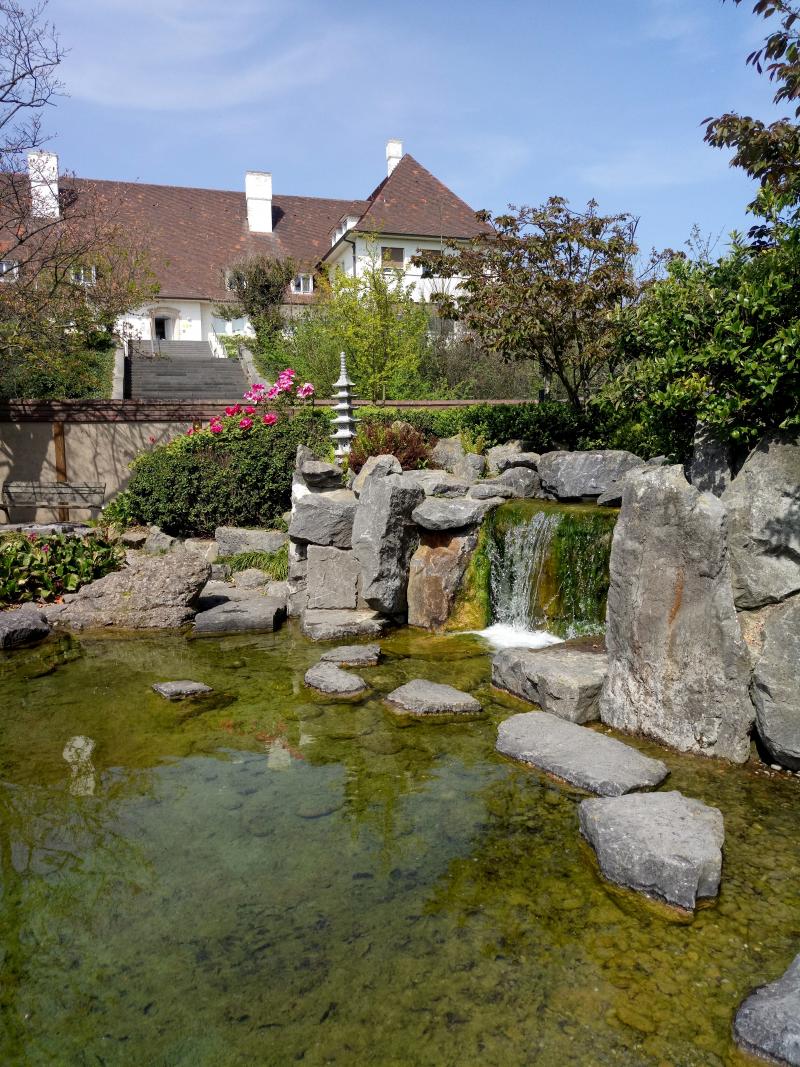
(322, 624)
(324, 518)
(576, 475)
(664, 845)
(331, 679)
(437, 514)
(421, 697)
(491, 489)
(768, 1021)
(587, 760)
(331, 577)
(180, 690)
(353, 655)
(563, 681)
(260, 614)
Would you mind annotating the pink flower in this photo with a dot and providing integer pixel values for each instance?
(306, 390)
(249, 410)
(45, 548)
(245, 424)
(190, 431)
(272, 392)
(270, 418)
(216, 427)
(233, 410)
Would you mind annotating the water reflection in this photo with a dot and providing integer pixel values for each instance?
(78, 754)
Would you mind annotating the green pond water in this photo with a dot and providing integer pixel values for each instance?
(269, 877)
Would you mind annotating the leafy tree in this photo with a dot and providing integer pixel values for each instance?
(259, 285)
(544, 286)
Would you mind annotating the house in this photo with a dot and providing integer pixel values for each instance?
(193, 235)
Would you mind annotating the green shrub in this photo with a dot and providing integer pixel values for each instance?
(229, 476)
(405, 442)
(42, 568)
(432, 422)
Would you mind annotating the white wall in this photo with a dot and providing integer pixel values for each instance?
(367, 252)
(192, 320)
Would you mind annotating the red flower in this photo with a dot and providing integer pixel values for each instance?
(270, 418)
(245, 424)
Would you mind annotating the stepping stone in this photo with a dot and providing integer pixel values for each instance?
(259, 614)
(768, 1022)
(563, 681)
(329, 624)
(421, 697)
(328, 678)
(180, 690)
(585, 759)
(22, 626)
(353, 655)
(664, 845)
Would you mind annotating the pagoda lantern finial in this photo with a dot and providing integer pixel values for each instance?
(344, 424)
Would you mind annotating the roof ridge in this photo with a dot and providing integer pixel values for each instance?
(204, 189)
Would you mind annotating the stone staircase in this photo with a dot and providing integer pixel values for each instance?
(184, 370)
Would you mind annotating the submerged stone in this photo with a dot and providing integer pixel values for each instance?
(421, 697)
(328, 678)
(353, 655)
(564, 681)
(768, 1021)
(180, 690)
(585, 759)
(664, 845)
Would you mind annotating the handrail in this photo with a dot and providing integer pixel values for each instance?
(217, 348)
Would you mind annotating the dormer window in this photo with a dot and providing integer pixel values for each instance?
(303, 284)
(9, 270)
(84, 275)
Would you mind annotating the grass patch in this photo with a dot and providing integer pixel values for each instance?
(275, 564)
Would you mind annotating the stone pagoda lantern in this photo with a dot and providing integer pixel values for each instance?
(343, 421)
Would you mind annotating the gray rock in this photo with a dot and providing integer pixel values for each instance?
(447, 452)
(578, 755)
(208, 549)
(496, 455)
(434, 577)
(564, 681)
(260, 614)
(420, 697)
(518, 459)
(328, 678)
(575, 475)
(135, 538)
(768, 1021)
(180, 690)
(332, 578)
(215, 593)
(710, 466)
(376, 467)
(776, 686)
(321, 476)
(678, 668)
(523, 482)
(324, 518)
(491, 489)
(24, 625)
(469, 468)
(220, 572)
(157, 541)
(327, 625)
(353, 655)
(150, 593)
(384, 539)
(612, 497)
(665, 845)
(231, 540)
(297, 592)
(763, 503)
(277, 591)
(251, 578)
(435, 513)
(437, 483)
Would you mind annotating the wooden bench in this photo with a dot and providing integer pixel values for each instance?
(61, 495)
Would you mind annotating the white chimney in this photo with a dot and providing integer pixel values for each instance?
(258, 190)
(43, 174)
(394, 153)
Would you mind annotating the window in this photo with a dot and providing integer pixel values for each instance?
(392, 258)
(9, 270)
(84, 275)
(303, 283)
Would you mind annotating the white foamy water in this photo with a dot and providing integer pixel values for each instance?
(504, 635)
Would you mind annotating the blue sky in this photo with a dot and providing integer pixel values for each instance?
(508, 101)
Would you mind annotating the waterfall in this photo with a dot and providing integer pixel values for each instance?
(517, 565)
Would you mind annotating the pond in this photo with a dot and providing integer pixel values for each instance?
(265, 876)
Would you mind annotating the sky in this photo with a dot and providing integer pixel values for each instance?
(506, 101)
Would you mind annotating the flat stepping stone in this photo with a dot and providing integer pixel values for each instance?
(563, 681)
(768, 1022)
(664, 845)
(261, 614)
(329, 624)
(421, 697)
(585, 759)
(180, 690)
(353, 655)
(328, 678)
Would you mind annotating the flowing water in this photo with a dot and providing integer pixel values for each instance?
(265, 876)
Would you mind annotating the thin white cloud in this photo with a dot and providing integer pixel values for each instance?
(652, 165)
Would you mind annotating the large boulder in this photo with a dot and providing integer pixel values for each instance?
(384, 539)
(149, 593)
(434, 577)
(497, 455)
(22, 626)
(447, 452)
(232, 540)
(763, 503)
(437, 483)
(710, 466)
(768, 1022)
(678, 667)
(665, 845)
(519, 459)
(319, 475)
(324, 518)
(577, 755)
(776, 686)
(258, 614)
(376, 467)
(470, 467)
(331, 577)
(575, 475)
(523, 482)
(564, 681)
(435, 513)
